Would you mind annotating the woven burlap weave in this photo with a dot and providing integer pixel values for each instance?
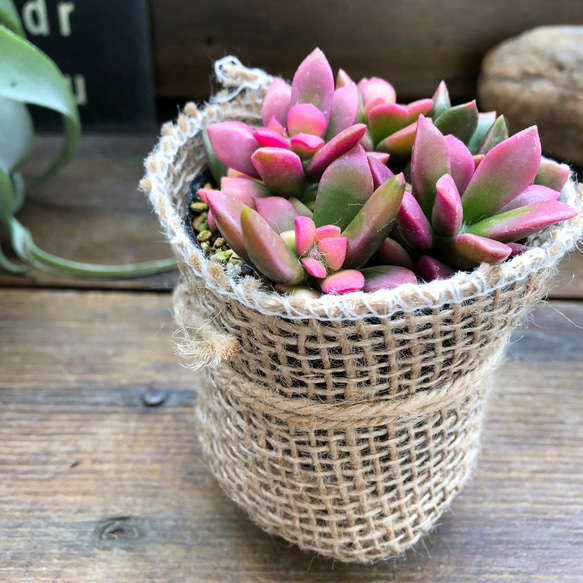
(344, 424)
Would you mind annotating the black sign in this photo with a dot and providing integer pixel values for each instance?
(103, 48)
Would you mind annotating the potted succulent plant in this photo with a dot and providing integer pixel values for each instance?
(389, 251)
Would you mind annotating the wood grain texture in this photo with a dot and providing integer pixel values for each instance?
(413, 43)
(94, 486)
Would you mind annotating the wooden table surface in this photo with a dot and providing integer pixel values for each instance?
(101, 474)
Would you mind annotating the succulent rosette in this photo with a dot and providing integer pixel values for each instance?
(309, 200)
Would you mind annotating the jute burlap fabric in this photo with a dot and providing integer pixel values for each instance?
(344, 424)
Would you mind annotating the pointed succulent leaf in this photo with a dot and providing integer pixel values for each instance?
(314, 267)
(326, 231)
(344, 110)
(413, 225)
(245, 190)
(213, 228)
(400, 143)
(447, 214)
(530, 195)
(380, 172)
(417, 108)
(305, 118)
(375, 88)
(276, 102)
(441, 102)
(278, 212)
(203, 193)
(519, 223)
(496, 134)
(461, 162)
(234, 144)
(552, 174)
(306, 145)
(373, 223)
(341, 282)
(305, 233)
(485, 121)
(429, 268)
(366, 141)
(343, 79)
(429, 162)
(460, 121)
(505, 171)
(335, 148)
(270, 138)
(386, 119)
(313, 83)
(382, 157)
(386, 277)
(467, 251)
(391, 253)
(227, 215)
(268, 251)
(281, 170)
(517, 249)
(345, 186)
(301, 208)
(276, 126)
(217, 168)
(333, 250)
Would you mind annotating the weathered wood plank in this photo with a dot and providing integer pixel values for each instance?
(413, 43)
(97, 487)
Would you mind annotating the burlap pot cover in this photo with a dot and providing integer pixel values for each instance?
(344, 424)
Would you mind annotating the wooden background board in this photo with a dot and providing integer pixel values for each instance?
(413, 43)
(95, 486)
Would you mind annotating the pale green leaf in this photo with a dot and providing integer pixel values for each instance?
(9, 17)
(16, 133)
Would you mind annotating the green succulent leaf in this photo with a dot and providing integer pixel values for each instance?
(9, 17)
(459, 121)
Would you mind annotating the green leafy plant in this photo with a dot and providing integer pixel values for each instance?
(344, 189)
(28, 76)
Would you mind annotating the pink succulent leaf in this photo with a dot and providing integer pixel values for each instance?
(343, 79)
(460, 121)
(519, 223)
(227, 216)
(392, 253)
(290, 238)
(306, 145)
(313, 83)
(278, 212)
(386, 119)
(314, 267)
(305, 118)
(429, 162)
(305, 234)
(505, 171)
(334, 251)
(417, 108)
(497, 133)
(276, 126)
(302, 291)
(517, 249)
(485, 121)
(429, 269)
(382, 157)
(461, 162)
(386, 277)
(413, 225)
(400, 143)
(281, 170)
(217, 168)
(335, 148)
(326, 231)
(372, 104)
(552, 174)
(245, 190)
(300, 207)
(380, 172)
(366, 141)
(269, 252)
(202, 192)
(373, 223)
(467, 251)
(233, 143)
(344, 110)
(211, 221)
(270, 138)
(276, 102)
(530, 195)
(376, 88)
(447, 214)
(441, 102)
(341, 282)
(344, 187)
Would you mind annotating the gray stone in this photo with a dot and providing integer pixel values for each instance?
(537, 78)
